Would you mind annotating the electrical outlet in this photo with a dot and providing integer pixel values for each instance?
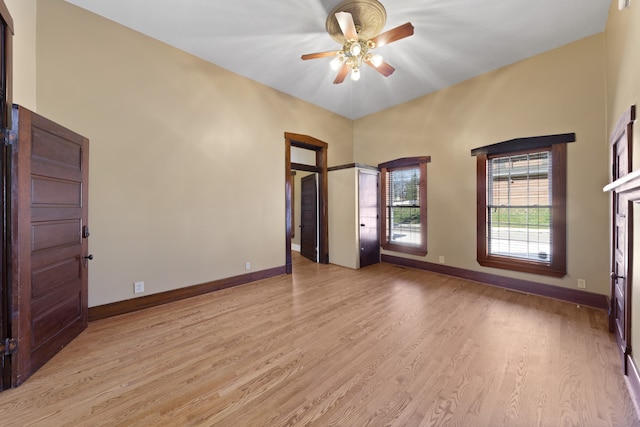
(582, 284)
(138, 287)
(247, 266)
(441, 259)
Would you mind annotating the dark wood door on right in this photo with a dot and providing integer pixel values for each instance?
(620, 313)
(309, 218)
(619, 272)
(368, 218)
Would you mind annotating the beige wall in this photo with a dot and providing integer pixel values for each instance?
(556, 92)
(23, 13)
(623, 65)
(167, 130)
(186, 159)
(623, 90)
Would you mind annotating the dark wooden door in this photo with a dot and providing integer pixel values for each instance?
(6, 37)
(368, 218)
(620, 313)
(619, 273)
(49, 233)
(309, 218)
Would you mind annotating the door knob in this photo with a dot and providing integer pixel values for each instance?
(86, 258)
(615, 276)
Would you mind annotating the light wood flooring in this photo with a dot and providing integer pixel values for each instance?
(331, 346)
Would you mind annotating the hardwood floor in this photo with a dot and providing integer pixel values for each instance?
(384, 345)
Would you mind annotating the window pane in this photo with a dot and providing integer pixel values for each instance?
(519, 206)
(403, 206)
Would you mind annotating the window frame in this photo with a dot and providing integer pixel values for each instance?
(399, 164)
(557, 266)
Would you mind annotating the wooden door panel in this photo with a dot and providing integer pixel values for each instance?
(619, 271)
(47, 192)
(54, 234)
(49, 196)
(55, 147)
(309, 218)
(53, 313)
(54, 275)
(620, 313)
(6, 73)
(368, 218)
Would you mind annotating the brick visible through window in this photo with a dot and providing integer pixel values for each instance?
(521, 200)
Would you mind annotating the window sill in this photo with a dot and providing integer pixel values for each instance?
(522, 266)
(411, 250)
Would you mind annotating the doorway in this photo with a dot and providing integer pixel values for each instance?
(309, 217)
(319, 148)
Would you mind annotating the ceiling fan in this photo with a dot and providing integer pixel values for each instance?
(356, 25)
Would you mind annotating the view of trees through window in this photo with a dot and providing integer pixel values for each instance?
(404, 209)
(403, 197)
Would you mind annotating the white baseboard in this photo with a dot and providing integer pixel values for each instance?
(295, 247)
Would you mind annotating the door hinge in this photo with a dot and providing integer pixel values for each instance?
(6, 136)
(8, 346)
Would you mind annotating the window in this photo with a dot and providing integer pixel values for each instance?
(521, 204)
(404, 205)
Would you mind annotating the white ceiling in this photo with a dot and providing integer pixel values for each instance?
(454, 40)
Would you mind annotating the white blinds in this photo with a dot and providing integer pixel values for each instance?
(519, 202)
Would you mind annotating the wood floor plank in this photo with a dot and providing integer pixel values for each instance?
(384, 345)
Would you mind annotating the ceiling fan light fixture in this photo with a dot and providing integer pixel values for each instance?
(355, 49)
(376, 60)
(356, 25)
(336, 63)
(355, 74)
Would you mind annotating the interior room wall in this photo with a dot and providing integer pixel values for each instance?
(23, 13)
(623, 66)
(186, 179)
(623, 90)
(556, 92)
(167, 128)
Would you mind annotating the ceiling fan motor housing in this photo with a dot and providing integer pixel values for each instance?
(369, 17)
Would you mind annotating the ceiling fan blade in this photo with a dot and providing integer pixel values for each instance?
(342, 74)
(348, 27)
(320, 54)
(384, 68)
(393, 34)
